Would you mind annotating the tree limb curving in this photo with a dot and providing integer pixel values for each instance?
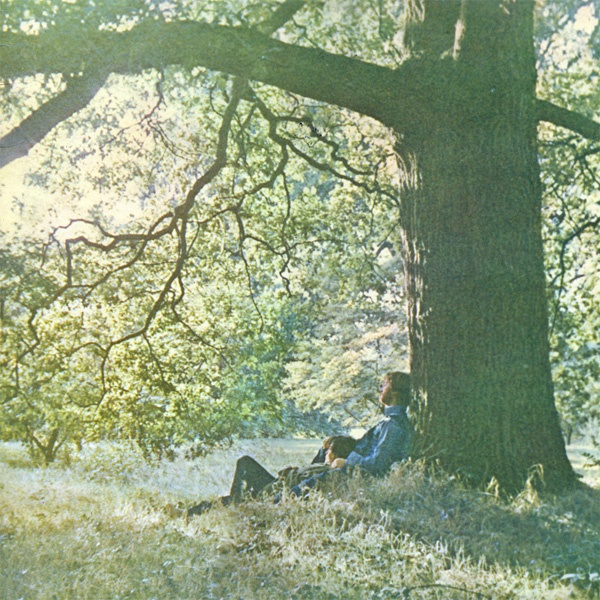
(576, 122)
(78, 93)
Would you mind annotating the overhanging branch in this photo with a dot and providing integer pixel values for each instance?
(576, 122)
(20, 55)
(247, 53)
(78, 93)
(174, 222)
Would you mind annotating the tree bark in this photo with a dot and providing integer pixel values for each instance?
(471, 210)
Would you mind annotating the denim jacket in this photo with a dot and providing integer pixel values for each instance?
(388, 442)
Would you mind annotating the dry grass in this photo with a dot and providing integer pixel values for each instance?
(100, 529)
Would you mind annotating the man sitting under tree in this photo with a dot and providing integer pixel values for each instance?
(386, 443)
(375, 452)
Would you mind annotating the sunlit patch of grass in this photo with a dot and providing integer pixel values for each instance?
(588, 470)
(96, 531)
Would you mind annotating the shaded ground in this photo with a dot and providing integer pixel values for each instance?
(101, 528)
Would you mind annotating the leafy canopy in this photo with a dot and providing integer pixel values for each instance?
(194, 256)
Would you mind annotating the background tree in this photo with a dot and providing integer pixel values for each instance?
(459, 93)
(567, 61)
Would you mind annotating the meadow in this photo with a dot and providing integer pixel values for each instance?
(106, 524)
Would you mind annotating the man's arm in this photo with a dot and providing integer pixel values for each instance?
(390, 444)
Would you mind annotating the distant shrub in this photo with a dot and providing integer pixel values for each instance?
(15, 455)
(110, 463)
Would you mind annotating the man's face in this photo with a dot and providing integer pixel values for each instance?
(385, 393)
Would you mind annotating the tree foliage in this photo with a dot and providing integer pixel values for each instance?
(176, 327)
(568, 51)
(210, 248)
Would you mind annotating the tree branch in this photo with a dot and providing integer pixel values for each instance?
(363, 87)
(175, 222)
(560, 276)
(78, 93)
(351, 175)
(588, 128)
(20, 56)
(393, 97)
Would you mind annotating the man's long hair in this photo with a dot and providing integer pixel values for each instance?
(401, 387)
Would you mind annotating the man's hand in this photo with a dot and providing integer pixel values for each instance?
(338, 463)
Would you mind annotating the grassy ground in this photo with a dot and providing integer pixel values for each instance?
(104, 527)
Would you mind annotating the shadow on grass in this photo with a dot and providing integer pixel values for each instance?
(410, 535)
(556, 537)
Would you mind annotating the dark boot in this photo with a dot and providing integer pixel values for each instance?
(200, 508)
(206, 505)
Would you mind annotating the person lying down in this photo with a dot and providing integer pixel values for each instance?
(252, 480)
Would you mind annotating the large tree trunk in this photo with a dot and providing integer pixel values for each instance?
(471, 209)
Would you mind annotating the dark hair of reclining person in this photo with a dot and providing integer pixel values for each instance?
(342, 446)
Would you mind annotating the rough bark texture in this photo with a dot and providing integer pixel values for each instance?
(471, 203)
